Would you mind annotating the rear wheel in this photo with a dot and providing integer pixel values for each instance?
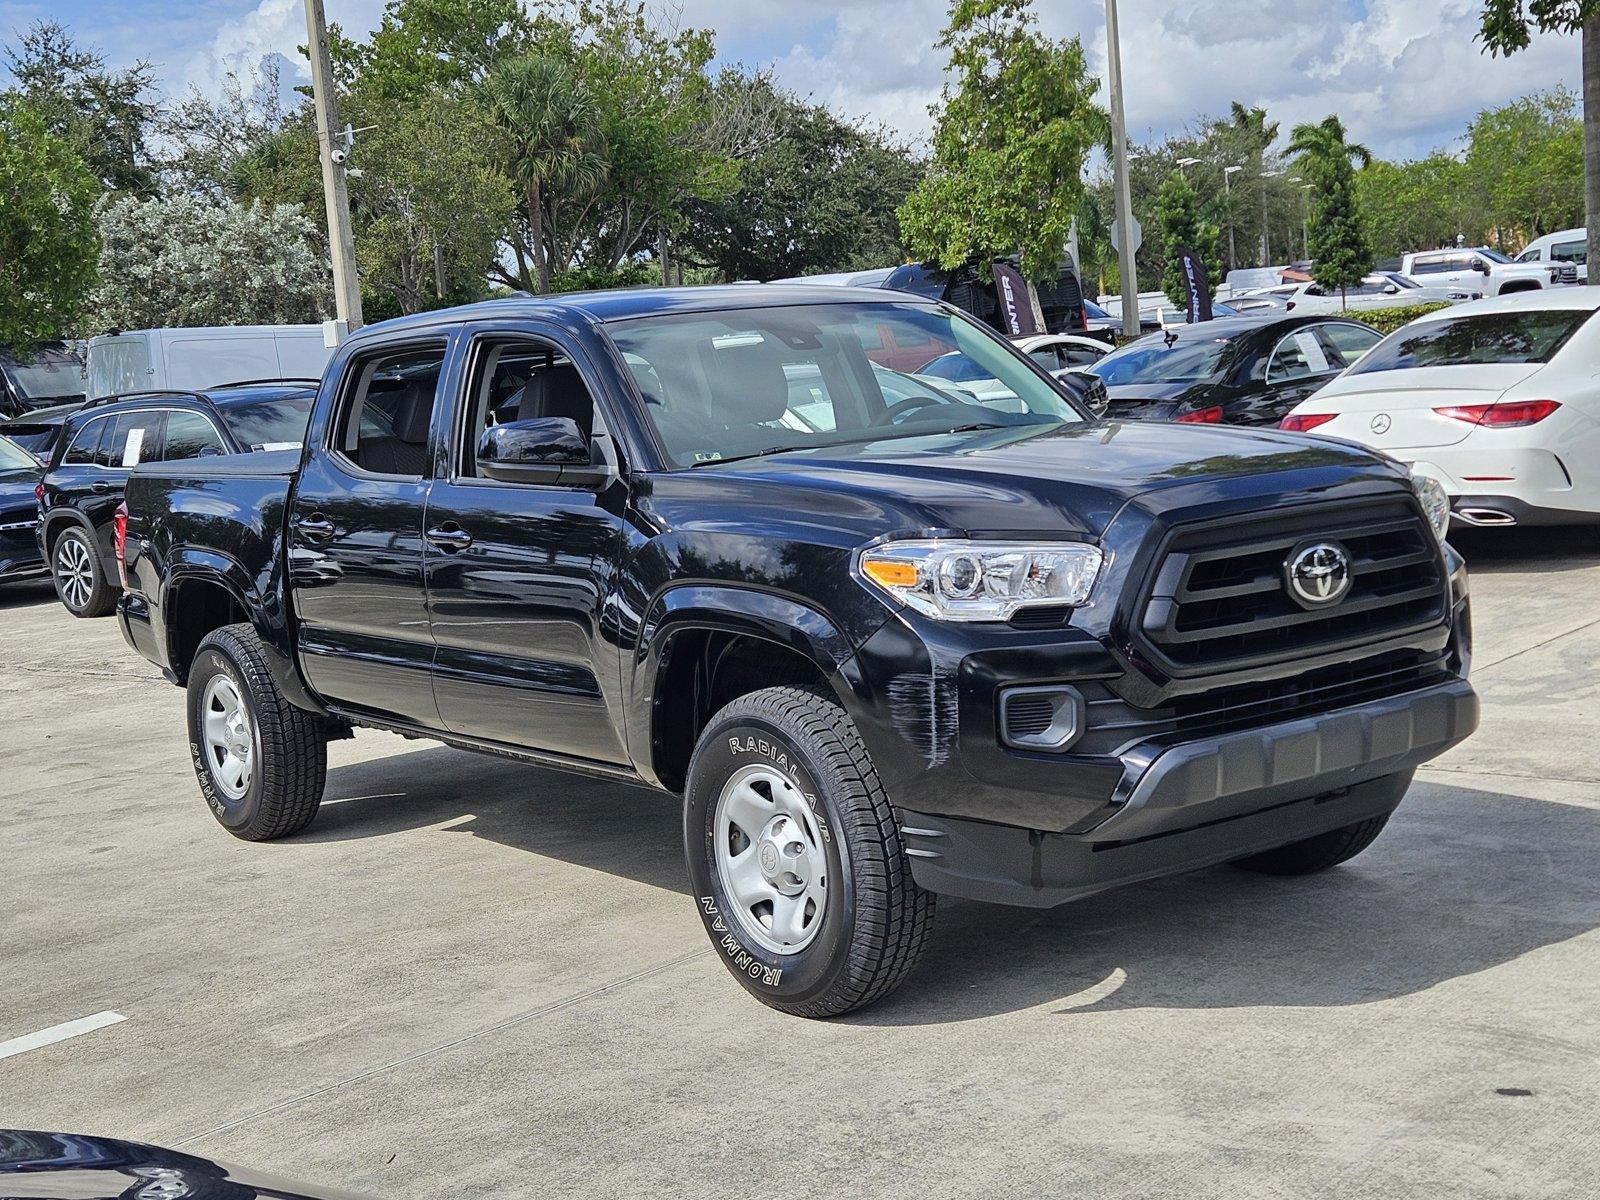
(796, 858)
(80, 580)
(261, 762)
(1316, 853)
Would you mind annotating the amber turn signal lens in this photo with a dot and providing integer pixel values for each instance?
(889, 574)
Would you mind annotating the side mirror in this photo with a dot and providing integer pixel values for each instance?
(1391, 289)
(1479, 265)
(541, 450)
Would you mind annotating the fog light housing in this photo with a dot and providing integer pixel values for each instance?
(1048, 718)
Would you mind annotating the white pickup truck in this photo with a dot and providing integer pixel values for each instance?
(1481, 269)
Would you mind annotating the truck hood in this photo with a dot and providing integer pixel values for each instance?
(1056, 479)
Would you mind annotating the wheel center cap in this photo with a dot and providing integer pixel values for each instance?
(769, 859)
(781, 855)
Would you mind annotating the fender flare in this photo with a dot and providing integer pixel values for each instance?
(728, 608)
(58, 518)
(193, 564)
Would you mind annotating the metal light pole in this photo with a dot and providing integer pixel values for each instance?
(1266, 242)
(1305, 221)
(341, 240)
(1227, 187)
(1119, 175)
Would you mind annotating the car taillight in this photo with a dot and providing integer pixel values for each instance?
(121, 520)
(1202, 416)
(1305, 422)
(38, 492)
(1510, 414)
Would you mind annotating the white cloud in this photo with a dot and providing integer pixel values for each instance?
(270, 27)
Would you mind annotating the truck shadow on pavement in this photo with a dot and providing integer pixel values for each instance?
(1532, 550)
(1462, 881)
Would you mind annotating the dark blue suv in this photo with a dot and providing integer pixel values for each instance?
(82, 488)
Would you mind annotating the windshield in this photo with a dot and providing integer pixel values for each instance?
(47, 377)
(1531, 336)
(1493, 256)
(1153, 360)
(1397, 279)
(13, 457)
(269, 424)
(733, 384)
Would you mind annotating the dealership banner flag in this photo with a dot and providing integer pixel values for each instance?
(1194, 277)
(1017, 309)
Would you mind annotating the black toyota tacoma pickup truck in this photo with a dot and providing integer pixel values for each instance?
(885, 640)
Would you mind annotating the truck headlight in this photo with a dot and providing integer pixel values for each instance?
(1435, 502)
(961, 580)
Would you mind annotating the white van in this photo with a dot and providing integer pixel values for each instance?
(143, 360)
(1569, 245)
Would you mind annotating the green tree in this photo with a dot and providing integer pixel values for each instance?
(47, 234)
(1525, 163)
(192, 260)
(1013, 131)
(433, 203)
(1417, 205)
(423, 46)
(1179, 223)
(105, 115)
(820, 195)
(554, 145)
(1508, 26)
(1338, 243)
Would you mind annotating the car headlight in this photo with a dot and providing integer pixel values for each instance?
(960, 580)
(1435, 502)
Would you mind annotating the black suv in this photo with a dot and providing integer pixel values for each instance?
(102, 441)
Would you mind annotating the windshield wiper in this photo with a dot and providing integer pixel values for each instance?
(711, 462)
(977, 425)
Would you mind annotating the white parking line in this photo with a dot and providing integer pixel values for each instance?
(59, 1033)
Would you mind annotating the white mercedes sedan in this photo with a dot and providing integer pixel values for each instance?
(1498, 400)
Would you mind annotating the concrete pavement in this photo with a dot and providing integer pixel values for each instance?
(475, 978)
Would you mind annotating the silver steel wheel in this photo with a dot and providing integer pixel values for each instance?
(770, 859)
(229, 736)
(74, 571)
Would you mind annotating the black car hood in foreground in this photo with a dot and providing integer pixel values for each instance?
(1058, 478)
(70, 1166)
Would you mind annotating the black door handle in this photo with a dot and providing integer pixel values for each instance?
(100, 485)
(449, 537)
(317, 528)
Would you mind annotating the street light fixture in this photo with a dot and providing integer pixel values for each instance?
(1227, 188)
(1266, 243)
(1228, 191)
(1186, 162)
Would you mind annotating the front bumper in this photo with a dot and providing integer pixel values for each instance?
(1202, 802)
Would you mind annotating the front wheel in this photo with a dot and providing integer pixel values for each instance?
(796, 858)
(261, 761)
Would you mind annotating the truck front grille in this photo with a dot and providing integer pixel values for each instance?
(1220, 598)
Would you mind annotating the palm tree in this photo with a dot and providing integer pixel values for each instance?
(1258, 134)
(1338, 240)
(552, 125)
(1326, 139)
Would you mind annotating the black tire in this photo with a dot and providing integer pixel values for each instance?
(1316, 853)
(876, 920)
(290, 751)
(79, 575)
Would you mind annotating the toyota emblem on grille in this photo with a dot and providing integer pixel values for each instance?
(1318, 574)
(1381, 423)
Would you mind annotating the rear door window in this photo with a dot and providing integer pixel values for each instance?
(1347, 344)
(135, 438)
(1297, 356)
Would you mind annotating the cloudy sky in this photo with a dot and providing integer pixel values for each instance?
(1405, 75)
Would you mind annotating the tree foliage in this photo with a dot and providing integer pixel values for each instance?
(105, 115)
(1524, 162)
(1013, 131)
(1508, 25)
(47, 234)
(1338, 242)
(192, 260)
(1179, 223)
(819, 195)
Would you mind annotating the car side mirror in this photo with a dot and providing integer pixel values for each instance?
(1481, 266)
(1391, 289)
(540, 450)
